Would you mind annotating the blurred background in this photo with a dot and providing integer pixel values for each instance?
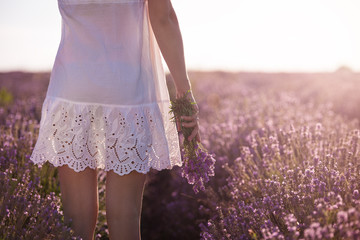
(230, 35)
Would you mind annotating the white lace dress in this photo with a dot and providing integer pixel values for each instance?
(107, 103)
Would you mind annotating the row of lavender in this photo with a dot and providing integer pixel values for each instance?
(292, 170)
(287, 168)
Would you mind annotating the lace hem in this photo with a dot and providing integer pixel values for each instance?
(109, 137)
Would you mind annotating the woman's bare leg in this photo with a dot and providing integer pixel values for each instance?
(80, 199)
(123, 204)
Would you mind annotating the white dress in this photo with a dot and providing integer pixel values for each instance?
(107, 103)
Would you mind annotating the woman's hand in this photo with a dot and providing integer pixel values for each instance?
(190, 121)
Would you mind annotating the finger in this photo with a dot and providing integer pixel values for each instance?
(189, 124)
(193, 134)
(189, 118)
(196, 108)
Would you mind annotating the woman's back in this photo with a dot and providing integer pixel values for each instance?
(105, 53)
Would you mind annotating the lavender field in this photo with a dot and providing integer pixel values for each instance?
(287, 151)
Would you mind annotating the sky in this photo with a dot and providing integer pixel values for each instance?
(230, 35)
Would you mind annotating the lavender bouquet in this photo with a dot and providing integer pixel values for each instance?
(198, 163)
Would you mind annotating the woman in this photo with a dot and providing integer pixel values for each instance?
(107, 107)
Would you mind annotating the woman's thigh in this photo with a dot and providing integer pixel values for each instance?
(124, 194)
(123, 204)
(79, 193)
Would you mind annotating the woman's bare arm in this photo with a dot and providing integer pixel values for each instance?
(168, 36)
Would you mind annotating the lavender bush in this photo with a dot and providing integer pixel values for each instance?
(291, 172)
(29, 208)
(25, 214)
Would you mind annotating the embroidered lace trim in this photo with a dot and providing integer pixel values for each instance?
(109, 137)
